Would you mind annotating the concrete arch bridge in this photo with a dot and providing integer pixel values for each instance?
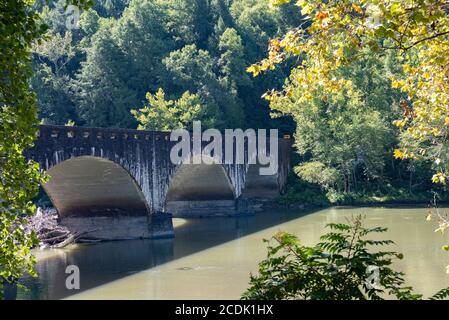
(122, 183)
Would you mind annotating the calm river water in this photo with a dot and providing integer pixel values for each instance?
(212, 258)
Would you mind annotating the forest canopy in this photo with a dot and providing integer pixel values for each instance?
(124, 50)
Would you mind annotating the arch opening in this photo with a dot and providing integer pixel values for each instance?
(92, 186)
(200, 190)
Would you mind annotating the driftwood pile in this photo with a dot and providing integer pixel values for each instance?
(51, 234)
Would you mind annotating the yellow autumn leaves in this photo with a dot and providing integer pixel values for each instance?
(339, 32)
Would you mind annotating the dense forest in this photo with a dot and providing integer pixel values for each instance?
(122, 50)
(155, 62)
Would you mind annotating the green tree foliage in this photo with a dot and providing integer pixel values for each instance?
(125, 49)
(19, 178)
(123, 59)
(341, 34)
(232, 59)
(343, 94)
(337, 268)
(192, 68)
(348, 135)
(166, 115)
(51, 80)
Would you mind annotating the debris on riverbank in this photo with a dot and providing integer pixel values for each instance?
(49, 232)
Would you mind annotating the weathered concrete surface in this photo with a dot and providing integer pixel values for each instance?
(200, 182)
(109, 173)
(258, 186)
(121, 227)
(115, 227)
(205, 208)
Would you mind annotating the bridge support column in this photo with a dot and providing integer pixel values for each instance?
(121, 227)
(161, 225)
(208, 208)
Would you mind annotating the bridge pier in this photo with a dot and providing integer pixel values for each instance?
(121, 227)
(199, 209)
(209, 208)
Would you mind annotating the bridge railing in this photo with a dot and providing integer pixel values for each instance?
(70, 132)
(67, 132)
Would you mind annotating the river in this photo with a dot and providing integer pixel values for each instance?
(212, 258)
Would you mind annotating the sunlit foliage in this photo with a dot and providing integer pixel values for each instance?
(19, 178)
(165, 115)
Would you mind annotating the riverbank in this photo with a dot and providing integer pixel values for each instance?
(300, 194)
(281, 203)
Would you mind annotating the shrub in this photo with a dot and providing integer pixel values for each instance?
(335, 269)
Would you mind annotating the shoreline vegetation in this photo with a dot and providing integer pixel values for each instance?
(301, 193)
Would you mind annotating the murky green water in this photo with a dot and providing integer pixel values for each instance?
(212, 258)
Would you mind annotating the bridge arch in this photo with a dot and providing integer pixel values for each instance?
(194, 188)
(88, 186)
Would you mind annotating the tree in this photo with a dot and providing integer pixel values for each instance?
(232, 59)
(19, 178)
(337, 268)
(123, 62)
(51, 80)
(89, 22)
(340, 33)
(349, 132)
(192, 69)
(119, 57)
(55, 99)
(187, 21)
(166, 115)
(103, 96)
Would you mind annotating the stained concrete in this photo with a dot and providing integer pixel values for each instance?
(110, 175)
(120, 227)
(257, 186)
(198, 182)
(210, 208)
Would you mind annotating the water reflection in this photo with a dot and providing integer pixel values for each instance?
(212, 258)
(105, 262)
(98, 264)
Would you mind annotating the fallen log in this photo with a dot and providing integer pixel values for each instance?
(62, 236)
(51, 234)
(72, 238)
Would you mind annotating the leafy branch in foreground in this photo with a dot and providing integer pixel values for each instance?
(20, 27)
(334, 269)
